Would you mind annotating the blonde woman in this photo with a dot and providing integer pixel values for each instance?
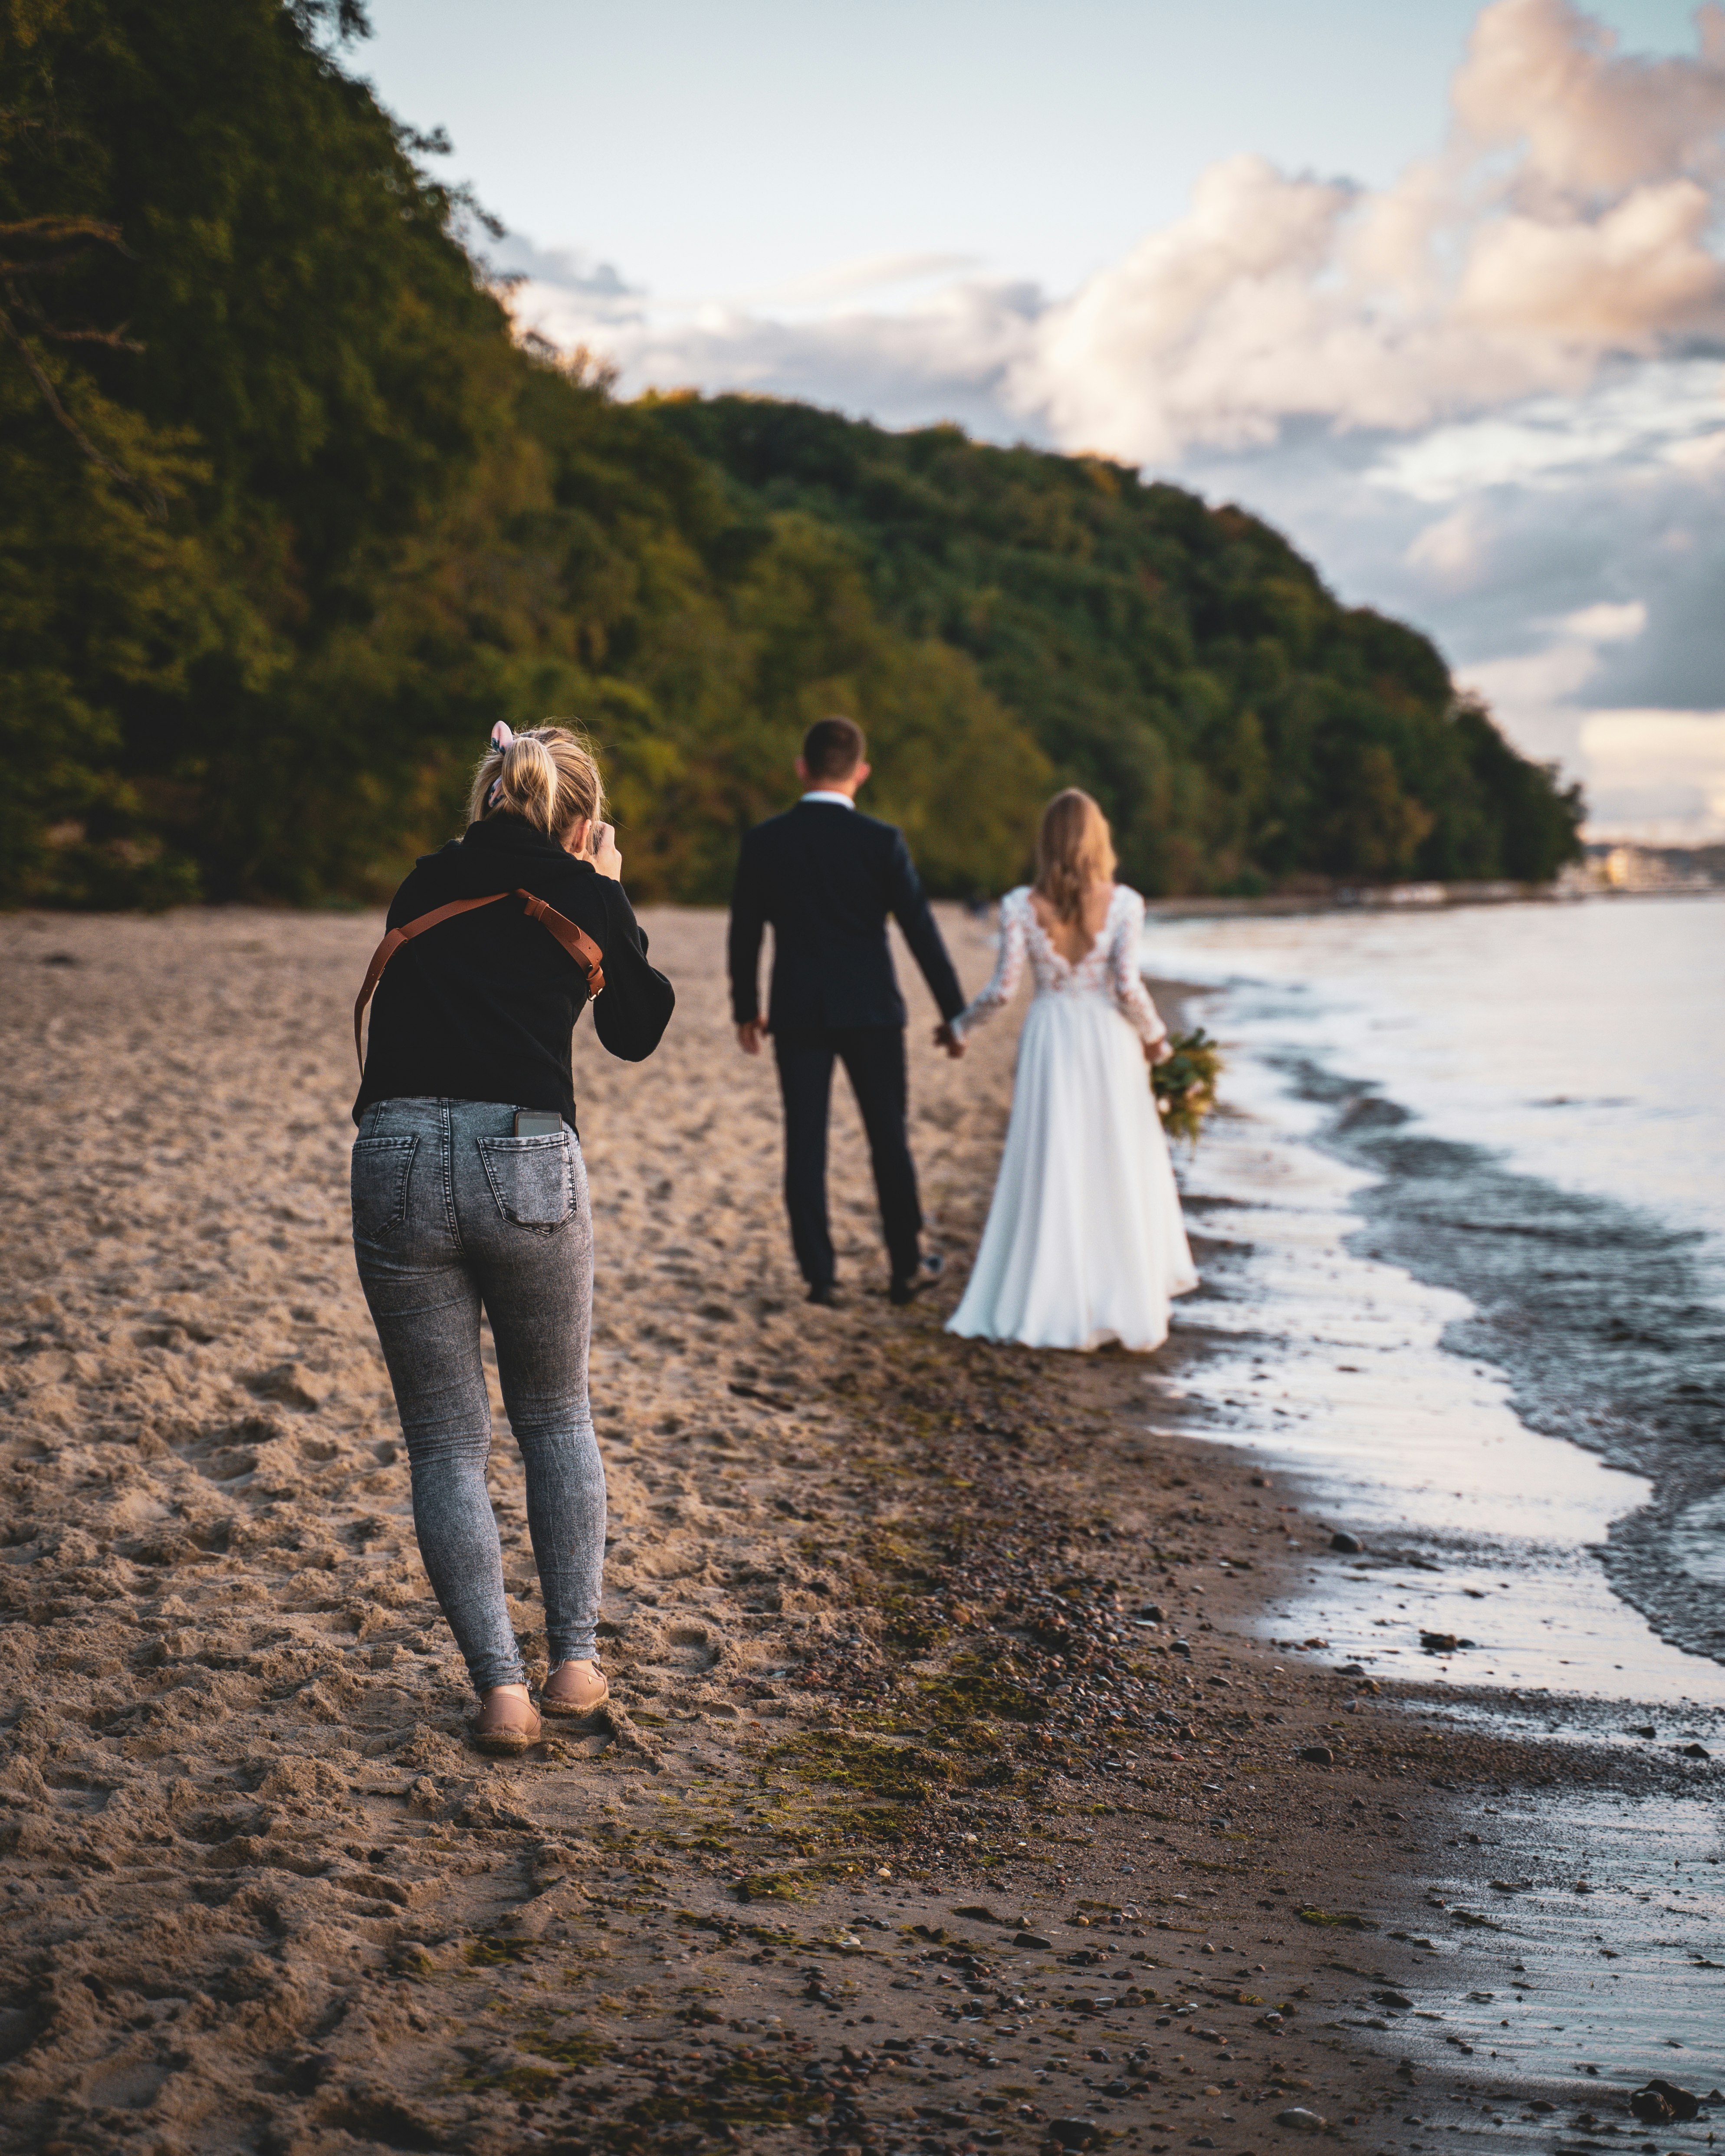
(468, 1190)
(1084, 1243)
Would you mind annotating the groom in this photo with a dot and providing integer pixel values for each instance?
(827, 876)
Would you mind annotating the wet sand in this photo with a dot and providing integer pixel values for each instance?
(878, 1625)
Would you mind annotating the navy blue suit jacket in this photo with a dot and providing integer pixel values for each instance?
(827, 877)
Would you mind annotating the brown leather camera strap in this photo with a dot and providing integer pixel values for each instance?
(579, 945)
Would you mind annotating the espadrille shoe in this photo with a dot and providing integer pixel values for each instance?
(575, 1692)
(506, 1724)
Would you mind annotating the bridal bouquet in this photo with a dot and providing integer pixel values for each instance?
(1185, 1085)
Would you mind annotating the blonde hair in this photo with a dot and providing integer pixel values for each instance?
(548, 776)
(1075, 852)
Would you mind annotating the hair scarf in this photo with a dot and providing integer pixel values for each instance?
(502, 741)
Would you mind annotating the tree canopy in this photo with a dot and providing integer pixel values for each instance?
(288, 517)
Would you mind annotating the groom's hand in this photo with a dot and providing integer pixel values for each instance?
(749, 1037)
(944, 1037)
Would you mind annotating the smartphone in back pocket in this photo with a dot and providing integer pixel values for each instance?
(537, 1123)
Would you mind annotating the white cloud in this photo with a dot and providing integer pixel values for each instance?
(595, 286)
(1534, 694)
(1656, 776)
(1452, 552)
(877, 274)
(1606, 623)
(1591, 120)
(1534, 682)
(1664, 411)
(1487, 396)
(1703, 453)
(1538, 691)
(1565, 223)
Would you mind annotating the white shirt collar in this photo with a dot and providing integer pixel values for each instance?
(838, 800)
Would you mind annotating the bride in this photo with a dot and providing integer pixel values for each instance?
(1084, 1243)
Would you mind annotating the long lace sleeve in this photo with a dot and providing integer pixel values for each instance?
(1126, 983)
(1008, 967)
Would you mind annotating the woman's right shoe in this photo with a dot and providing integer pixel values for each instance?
(575, 1692)
(507, 1725)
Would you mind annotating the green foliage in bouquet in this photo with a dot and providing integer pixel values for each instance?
(1185, 1085)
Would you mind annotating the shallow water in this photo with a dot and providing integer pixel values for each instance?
(1332, 1369)
(1496, 1358)
(1595, 1962)
(1484, 1335)
(1585, 1040)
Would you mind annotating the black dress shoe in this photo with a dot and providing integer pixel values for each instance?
(825, 1291)
(906, 1286)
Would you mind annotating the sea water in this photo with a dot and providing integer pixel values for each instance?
(1586, 1041)
(1463, 1231)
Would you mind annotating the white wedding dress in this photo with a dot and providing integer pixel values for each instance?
(1084, 1243)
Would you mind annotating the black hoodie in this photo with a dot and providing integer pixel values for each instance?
(482, 1008)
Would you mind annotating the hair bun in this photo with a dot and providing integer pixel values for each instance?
(547, 776)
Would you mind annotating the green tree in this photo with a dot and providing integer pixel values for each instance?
(288, 519)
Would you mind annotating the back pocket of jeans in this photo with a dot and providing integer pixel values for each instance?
(382, 1168)
(532, 1179)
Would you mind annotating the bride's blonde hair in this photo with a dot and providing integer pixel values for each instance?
(1075, 852)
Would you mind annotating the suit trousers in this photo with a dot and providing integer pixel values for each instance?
(874, 1056)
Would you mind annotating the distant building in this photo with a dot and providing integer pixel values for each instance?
(1630, 868)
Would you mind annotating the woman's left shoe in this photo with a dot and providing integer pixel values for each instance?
(575, 1692)
(507, 1723)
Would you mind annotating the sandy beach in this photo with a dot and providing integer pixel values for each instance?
(954, 1797)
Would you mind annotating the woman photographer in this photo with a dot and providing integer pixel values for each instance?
(468, 1190)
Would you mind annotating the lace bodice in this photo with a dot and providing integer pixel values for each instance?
(1109, 967)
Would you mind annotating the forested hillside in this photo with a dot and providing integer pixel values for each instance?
(287, 519)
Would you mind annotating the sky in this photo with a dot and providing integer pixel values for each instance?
(1437, 288)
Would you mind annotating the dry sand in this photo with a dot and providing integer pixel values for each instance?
(870, 1621)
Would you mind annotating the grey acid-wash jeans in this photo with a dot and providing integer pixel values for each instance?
(450, 1210)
